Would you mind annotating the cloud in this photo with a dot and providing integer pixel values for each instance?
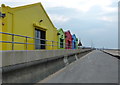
(58, 18)
(80, 5)
(96, 31)
(107, 18)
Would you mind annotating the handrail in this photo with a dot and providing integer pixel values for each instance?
(26, 42)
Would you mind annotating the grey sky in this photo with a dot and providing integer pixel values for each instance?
(93, 21)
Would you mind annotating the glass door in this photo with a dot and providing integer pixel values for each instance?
(37, 39)
(40, 39)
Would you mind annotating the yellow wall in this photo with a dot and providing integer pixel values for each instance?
(0, 30)
(23, 21)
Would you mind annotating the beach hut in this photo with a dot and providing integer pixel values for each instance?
(74, 41)
(68, 40)
(61, 39)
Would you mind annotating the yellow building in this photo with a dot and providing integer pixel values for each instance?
(0, 29)
(31, 21)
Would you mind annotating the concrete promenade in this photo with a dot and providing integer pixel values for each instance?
(95, 67)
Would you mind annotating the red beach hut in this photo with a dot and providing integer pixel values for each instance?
(68, 40)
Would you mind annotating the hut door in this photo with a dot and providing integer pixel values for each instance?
(43, 33)
(74, 45)
(61, 43)
(39, 34)
(69, 46)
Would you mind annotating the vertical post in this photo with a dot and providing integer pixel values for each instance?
(57, 45)
(52, 45)
(26, 43)
(12, 41)
(34, 39)
(76, 57)
(45, 43)
(65, 59)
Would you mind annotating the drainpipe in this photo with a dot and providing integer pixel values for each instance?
(12, 30)
(12, 20)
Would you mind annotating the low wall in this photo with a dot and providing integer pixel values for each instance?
(33, 66)
(17, 57)
(114, 53)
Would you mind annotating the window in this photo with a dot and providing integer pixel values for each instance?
(39, 34)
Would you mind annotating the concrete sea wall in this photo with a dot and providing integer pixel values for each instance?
(33, 66)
